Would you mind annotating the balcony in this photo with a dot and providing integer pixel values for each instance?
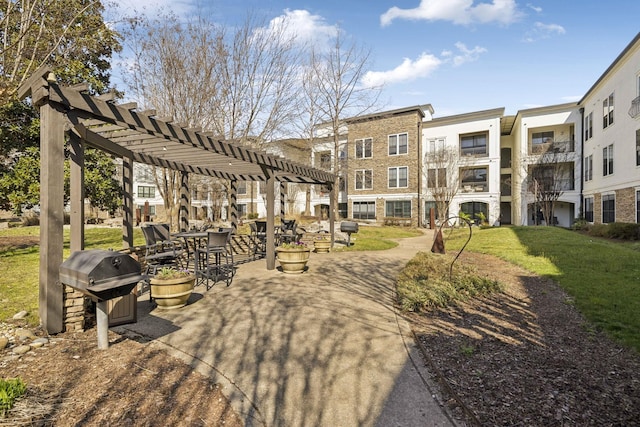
(634, 111)
(553, 147)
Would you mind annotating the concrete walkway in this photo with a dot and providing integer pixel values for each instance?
(324, 348)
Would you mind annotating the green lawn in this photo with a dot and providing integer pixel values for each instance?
(602, 277)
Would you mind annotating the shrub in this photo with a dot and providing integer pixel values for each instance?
(624, 231)
(424, 283)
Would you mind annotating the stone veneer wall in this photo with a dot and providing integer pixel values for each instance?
(626, 205)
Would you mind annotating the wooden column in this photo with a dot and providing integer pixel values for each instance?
(283, 193)
(332, 212)
(183, 214)
(233, 207)
(127, 203)
(271, 248)
(76, 166)
(51, 217)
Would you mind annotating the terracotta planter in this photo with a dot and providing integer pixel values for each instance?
(322, 246)
(293, 261)
(172, 293)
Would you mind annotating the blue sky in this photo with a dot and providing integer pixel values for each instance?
(457, 55)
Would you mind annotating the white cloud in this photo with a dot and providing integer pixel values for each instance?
(543, 31)
(408, 70)
(466, 54)
(305, 27)
(537, 9)
(462, 12)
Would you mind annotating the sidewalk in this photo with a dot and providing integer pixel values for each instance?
(325, 348)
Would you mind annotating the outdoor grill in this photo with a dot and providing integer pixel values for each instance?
(349, 227)
(101, 275)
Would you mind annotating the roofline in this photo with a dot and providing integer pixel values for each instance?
(383, 114)
(548, 108)
(483, 114)
(624, 52)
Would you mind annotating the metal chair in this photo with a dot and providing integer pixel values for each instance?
(161, 250)
(289, 231)
(214, 261)
(259, 238)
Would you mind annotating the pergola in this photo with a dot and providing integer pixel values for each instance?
(134, 136)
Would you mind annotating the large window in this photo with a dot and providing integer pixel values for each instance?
(638, 206)
(398, 177)
(473, 145)
(363, 148)
(364, 210)
(152, 209)
(398, 208)
(588, 168)
(364, 179)
(607, 160)
(146, 191)
(588, 209)
(588, 126)
(505, 157)
(505, 184)
(242, 210)
(241, 187)
(607, 111)
(398, 144)
(542, 137)
(608, 208)
(475, 210)
(436, 178)
(325, 160)
(474, 179)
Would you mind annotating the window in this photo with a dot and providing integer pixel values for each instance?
(638, 147)
(242, 210)
(473, 145)
(325, 160)
(364, 210)
(607, 111)
(505, 184)
(638, 206)
(475, 210)
(608, 208)
(241, 187)
(146, 191)
(436, 178)
(398, 144)
(505, 157)
(398, 208)
(588, 209)
(428, 205)
(588, 168)
(607, 160)
(435, 145)
(542, 137)
(588, 126)
(364, 179)
(474, 179)
(363, 148)
(398, 177)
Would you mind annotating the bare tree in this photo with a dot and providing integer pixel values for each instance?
(441, 176)
(237, 83)
(548, 179)
(336, 90)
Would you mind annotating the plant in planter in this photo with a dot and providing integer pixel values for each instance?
(293, 257)
(171, 287)
(322, 244)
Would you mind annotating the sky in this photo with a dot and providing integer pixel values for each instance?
(460, 56)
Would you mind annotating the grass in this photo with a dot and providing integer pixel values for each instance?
(376, 238)
(10, 390)
(602, 277)
(20, 267)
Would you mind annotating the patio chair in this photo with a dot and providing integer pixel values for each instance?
(215, 261)
(258, 238)
(289, 231)
(161, 250)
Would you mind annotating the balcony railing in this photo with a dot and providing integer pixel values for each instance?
(553, 146)
(634, 111)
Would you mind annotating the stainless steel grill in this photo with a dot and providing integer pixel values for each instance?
(349, 227)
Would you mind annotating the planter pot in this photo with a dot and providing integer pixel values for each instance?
(322, 246)
(293, 261)
(172, 293)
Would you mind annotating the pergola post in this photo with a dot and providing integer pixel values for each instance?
(51, 217)
(127, 202)
(183, 213)
(332, 214)
(76, 166)
(270, 193)
(283, 192)
(233, 208)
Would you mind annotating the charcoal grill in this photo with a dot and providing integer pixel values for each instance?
(349, 227)
(101, 275)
